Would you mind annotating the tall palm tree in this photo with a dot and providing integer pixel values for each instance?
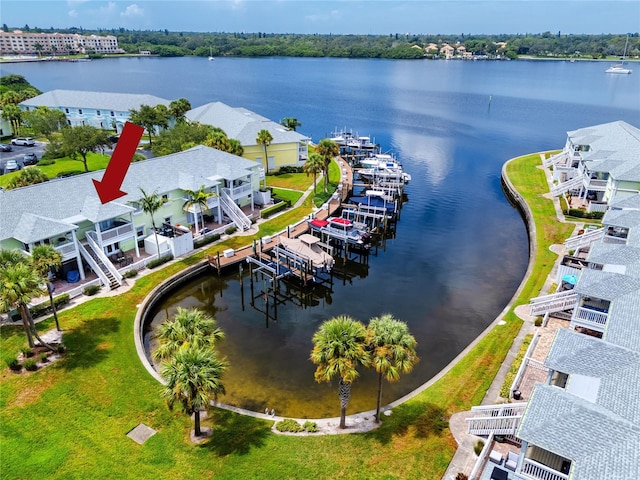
(314, 165)
(393, 350)
(150, 204)
(338, 349)
(193, 379)
(189, 328)
(265, 138)
(197, 198)
(19, 283)
(328, 149)
(44, 258)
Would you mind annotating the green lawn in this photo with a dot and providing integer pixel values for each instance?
(292, 181)
(95, 161)
(70, 419)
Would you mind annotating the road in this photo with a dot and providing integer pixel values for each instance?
(18, 153)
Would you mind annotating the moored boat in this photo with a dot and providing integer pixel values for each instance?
(341, 229)
(309, 246)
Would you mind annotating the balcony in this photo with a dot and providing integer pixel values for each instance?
(119, 233)
(67, 250)
(532, 469)
(240, 191)
(592, 314)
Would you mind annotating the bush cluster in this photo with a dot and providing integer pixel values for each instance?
(267, 212)
(478, 447)
(290, 425)
(287, 169)
(46, 161)
(30, 365)
(44, 308)
(202, 241)
(579, 213)
(13, 364)
(130, 273)
(159, 261)
(91, 290)
(231, 230)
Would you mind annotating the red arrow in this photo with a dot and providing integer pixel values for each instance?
(109, 187)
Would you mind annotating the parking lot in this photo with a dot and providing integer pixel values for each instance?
(18, 153)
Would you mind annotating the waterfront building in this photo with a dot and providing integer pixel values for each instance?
(69, 215)
(31, 43)
(99, 109)
(288, 147)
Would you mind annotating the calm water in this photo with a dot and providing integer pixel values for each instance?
(460, 249)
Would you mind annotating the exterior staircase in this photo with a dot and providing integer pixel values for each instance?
(502, 419)
(552, 160)
(234, 212)
(99, 262)
(586, 239)
(556, 302)
(564, 187)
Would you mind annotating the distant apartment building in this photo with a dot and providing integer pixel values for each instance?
(29, 43)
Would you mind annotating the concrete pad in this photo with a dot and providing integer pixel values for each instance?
(141, 433)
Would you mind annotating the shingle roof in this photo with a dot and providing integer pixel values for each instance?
(122, 102)
(630, 202)
(622, 218)
(606, 285)
(241, 124)
(600, 443)
(74, 199)
(31, 228)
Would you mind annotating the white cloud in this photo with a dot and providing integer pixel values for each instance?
(132, 11)
(73, 14)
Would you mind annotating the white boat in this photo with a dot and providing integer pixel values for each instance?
(308, 246)
(619, 68)
(211, 57)
(383, 166)
(341, 229)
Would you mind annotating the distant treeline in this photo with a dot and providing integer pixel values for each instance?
(547, 44)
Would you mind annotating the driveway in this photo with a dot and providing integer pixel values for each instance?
(18, 153)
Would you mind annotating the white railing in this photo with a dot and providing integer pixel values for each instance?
(597, 207)
(240, 191)
(94, 266)
(595, 184)
(117, 232)
(213, 201)
(234, 211)
(555, 159)
(515, 385)
(93, 244)
(539, 471)
(556, 302)
(68, 250)
(588, 315)
(498, 419)
(614, 239)
(482, 458)
(566, 186)
(585, 239)
(261, 175)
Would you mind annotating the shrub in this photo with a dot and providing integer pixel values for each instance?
(60, 349)
(230, 230)
(44, 358)
(267, 212)
(44, 308)
(288, 425)
(515, 366)
(13, 364)
(159, 261)
(538, 321)
(310, 427)
(576, 212)
(46, 161)
(202, 241)
(30, 365)
(478, 447)
(91, 290)
(69, 173)
(462, 476)
(26, 351)
(596, 215)
(130, 273)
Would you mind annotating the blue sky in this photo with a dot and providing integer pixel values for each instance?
(338, 17)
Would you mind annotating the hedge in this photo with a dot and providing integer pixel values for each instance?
(44, 308)
(267, 212)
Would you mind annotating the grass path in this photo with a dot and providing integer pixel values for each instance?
(70, 419)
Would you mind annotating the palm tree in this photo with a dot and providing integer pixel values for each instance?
(338, 349)
(13, 114)
(189, 328)
(150, 204)
(314, 165)
(197, 198)
(328, 149)
(291, 123)
(44, 258)
(193, 379)
(19, 283)
(393, 350)
(265, 138)
(178, 108)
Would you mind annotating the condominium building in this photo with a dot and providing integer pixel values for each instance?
(29, 43)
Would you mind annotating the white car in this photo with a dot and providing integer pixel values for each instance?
(11, 166)
(25, 142)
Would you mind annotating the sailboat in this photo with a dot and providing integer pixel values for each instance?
(619, 68)
(211, 54)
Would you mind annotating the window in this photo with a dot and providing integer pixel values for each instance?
(66, 110)
(80, 111)
(167, 220)
(165, 197)
(98, 112)
(113, 114)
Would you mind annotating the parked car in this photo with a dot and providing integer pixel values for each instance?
(24, 141)
(113, 138)
(5, 147)
(30, 159)
(11, 166)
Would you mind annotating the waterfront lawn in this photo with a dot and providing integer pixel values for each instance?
(291, 195)
(75, 413)
(292, 181)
